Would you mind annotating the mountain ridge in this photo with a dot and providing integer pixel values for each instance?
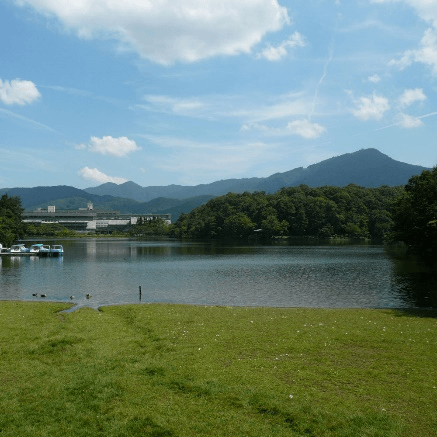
(366, 167)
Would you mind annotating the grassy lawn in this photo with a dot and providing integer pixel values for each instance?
(176, 370)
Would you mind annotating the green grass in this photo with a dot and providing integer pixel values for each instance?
(176, 370)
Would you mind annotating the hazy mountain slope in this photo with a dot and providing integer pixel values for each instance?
(44, 195)
(145, 194)
(367, 167)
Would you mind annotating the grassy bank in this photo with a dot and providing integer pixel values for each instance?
(173, 370)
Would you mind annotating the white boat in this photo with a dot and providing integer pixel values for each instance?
(44, 250)
(35, 248)
(56, 250)
(19, 248)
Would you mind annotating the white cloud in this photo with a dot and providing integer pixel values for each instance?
(407, 121)
(427, 51)
(371, 108)
(185, 107)
(374, 78)
(425, 54)
(411, 96)
(305, 129)
(426, 9)
(108, 145)
(239, 107)
(165, 31)
(18, 92)
(97, 176)
(276, 53)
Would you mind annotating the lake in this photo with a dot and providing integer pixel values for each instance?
(189, 272)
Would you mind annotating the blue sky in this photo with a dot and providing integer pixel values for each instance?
(187, 92)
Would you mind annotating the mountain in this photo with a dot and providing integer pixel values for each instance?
(44, 195)
(366, 167)
(64, 197)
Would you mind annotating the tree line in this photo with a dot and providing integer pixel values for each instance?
(351, 211)
(407, 214)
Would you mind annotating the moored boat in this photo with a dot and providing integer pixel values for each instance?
(19, 248)
(35, 248)
(56, 250)
(44, 250)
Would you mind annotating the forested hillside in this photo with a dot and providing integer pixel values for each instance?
(352, 211)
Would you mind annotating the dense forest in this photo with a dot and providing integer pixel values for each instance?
(11, 226)
(351, 211)
(415, 215)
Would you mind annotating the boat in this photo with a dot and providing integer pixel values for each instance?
(35, 248)
(44, 250)
(56, 250)
(19, 248)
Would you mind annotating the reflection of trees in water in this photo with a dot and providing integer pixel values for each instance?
(415, 282)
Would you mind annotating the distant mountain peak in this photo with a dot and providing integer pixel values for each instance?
(366, 167)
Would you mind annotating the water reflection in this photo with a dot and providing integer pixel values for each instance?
(415, 282)
(219, 274)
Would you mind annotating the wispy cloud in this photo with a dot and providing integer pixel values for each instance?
(322, 78)
(96, 175)
(301, 127)
(375, 78)
(26, 159)
(426, 53)
(26, 119)
(241, 108)
(407, 121)
(208, 160)
(272, 53)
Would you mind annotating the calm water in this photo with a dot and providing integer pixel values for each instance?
(112, 270)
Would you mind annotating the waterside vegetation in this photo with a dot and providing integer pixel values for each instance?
(351, 211)
(176, 370)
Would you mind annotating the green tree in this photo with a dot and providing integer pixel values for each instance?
(238, 225)
(12, 227)
(154, 226)
(415, 214)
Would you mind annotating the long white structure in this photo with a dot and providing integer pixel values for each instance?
(88, 219)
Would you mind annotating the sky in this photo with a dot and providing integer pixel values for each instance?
(189, 92)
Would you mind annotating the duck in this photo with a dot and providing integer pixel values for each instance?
(72, 297)
(43, 295)
(88, 295)
(35, 294)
